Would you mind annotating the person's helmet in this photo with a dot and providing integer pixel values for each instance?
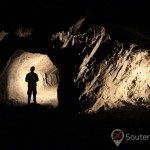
(32, 69)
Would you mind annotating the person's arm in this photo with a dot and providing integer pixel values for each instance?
(26, 78)
(37, 78)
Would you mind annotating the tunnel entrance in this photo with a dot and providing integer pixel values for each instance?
(12, 79)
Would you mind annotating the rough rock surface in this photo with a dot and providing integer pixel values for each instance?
(108, 73)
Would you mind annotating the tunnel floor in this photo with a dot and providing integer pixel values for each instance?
(36, 126)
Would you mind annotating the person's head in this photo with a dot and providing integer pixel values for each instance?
(32, 69)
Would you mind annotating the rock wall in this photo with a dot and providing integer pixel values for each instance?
(107, 73)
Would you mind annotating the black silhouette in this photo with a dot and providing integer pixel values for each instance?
(32, 78)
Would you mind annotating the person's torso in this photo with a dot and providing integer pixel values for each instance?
(32, 79)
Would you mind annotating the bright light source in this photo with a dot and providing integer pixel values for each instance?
(17, 68)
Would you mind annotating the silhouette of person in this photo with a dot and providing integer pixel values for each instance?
(32, 78)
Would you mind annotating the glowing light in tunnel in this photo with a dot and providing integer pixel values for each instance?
(17, 68)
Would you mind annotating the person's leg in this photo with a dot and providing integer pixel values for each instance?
(34, 95)
(29, 96)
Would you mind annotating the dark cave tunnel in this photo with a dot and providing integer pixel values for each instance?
(66, 60)
(119, 98)
(20, 53)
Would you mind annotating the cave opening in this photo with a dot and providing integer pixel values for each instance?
(12, 79)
